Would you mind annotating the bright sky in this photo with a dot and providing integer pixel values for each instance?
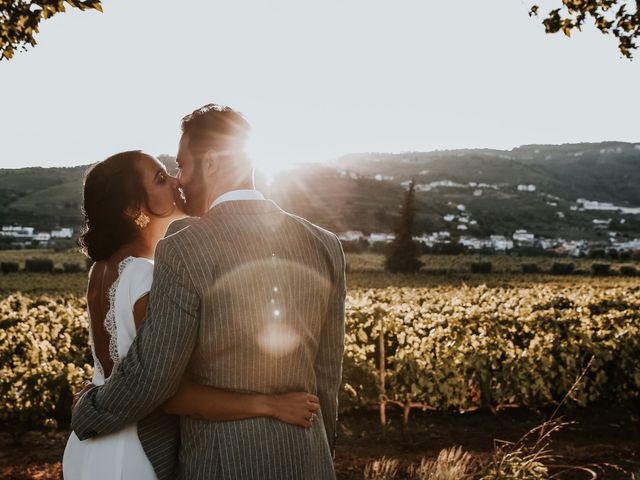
(316, 79)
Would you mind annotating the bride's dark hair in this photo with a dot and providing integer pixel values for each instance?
(111, 188)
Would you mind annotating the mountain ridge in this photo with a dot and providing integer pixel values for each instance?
(533, 187)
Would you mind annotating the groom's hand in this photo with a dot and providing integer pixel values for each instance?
(86, 386)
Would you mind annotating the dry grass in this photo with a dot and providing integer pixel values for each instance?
(451, 464)
(381, 469)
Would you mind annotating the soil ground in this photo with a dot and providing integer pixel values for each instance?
(604, 438)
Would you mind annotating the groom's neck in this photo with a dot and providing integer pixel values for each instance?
(246, 184)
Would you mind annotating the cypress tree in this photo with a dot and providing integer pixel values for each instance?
(403, 255)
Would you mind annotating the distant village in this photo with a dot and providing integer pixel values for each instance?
(502, 243)
(460, 221)
(28, 237)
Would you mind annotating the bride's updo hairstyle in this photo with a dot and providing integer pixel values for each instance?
(112, 188)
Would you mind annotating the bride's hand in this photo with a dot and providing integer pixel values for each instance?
(296, 408)
(86, 386)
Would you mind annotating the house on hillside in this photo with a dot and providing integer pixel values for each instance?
(62, 233)
(434, 238)
(573, 247)
(523, 238)
(500, 243)
(381, 237)
(631, 245)
(474, 243)
(601, 224)
(351, 235)
(17, 232)
(549, 243)
(42, 238)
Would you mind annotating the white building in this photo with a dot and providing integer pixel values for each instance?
(42, 237)
(17, 232)
(381, 237)
(633, 245)
(62, 233)
(474, 243)
(573, 247)
(351, 235)
(548, 243)
(379, 177)
(523, 238)
(500, 242)
(432, 239)
(606, 206)
(598, 223)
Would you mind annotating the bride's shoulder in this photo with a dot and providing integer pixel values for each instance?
(137, 276)
(137, 265)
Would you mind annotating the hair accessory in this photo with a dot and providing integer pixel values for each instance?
(142, 220)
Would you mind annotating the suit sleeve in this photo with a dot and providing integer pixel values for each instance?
(328, 363)
(151, 371)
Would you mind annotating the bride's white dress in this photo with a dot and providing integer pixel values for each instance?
(120, 454)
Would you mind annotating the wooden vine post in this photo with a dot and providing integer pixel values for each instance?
(406, 410)
(383, 392)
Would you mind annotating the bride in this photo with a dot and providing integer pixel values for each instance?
(129, 202)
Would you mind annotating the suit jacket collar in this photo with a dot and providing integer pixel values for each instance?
(243, 207)
(244, 194)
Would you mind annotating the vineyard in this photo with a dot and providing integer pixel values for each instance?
(420, 350)
(443, 348)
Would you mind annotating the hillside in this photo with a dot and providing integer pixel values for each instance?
(472, 192)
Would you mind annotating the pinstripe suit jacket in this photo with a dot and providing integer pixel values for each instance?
(249, 298)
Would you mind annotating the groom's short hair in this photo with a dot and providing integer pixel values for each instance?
(215, 127)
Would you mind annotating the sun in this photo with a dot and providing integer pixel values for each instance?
(267, 162)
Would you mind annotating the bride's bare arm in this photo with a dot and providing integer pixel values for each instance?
(219, 405)
(216, 404)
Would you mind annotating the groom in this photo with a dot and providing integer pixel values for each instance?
(248, 298)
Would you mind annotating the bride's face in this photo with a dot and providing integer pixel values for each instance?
(163, 196)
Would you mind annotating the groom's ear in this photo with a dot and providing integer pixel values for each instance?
(210, 163)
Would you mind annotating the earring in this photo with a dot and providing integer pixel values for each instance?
(142, 220)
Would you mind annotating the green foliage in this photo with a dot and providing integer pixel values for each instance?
(355, 246)
(562, 268)
(530, 268)
(9, 267)
(39, 265)
(445, 348)
(481, 267)
(69, 267)
(404, 252)
(20, 19)
(609, 16)
(464, 348)
(628, 270)
(44, 357)
(601, 269)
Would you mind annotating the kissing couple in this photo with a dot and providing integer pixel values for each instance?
(217, 349)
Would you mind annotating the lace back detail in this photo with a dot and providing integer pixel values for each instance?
(96, 363)
(110, 318)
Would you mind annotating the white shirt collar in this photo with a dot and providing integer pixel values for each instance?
(247, 194)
